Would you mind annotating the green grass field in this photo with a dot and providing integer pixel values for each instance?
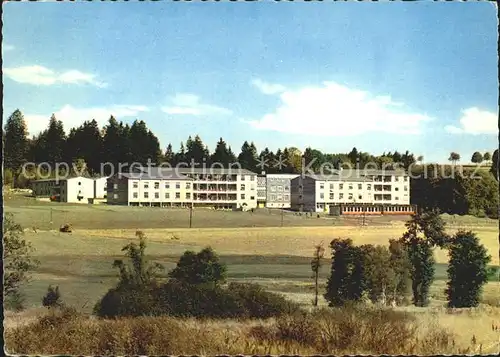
(254, 246)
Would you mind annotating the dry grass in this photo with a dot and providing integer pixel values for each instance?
(298, 241)
(329, 331)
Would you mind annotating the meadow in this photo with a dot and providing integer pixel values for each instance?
(255, 247)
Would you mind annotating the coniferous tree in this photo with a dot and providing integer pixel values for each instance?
(113, 143)
(15, 141)
(353, 156)
(196, 151)
(467, 270)
(55, 141)
(248, 157)
(169, 154)
(222, 154)
(85, 142)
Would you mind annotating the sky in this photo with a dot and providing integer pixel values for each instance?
(418, 76)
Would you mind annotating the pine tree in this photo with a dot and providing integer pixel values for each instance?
(222, 154)
(196, 151)
(85, 142)
(169, 154)
(467, 270)
(55, 141)
(112, 143)
(248, 157)
(15, 141)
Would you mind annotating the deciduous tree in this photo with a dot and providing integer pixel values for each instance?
(467, 270)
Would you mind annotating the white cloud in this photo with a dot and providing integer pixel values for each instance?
(475, 121)
(268, 88)
(39, 75)
(6, 47)
(74, 117)
(334, 110)
(190, 104)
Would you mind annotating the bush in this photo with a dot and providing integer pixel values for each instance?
(203, 300)
(128, 301)
(259, 303)
(52, 298)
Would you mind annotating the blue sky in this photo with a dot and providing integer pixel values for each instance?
(377, 76)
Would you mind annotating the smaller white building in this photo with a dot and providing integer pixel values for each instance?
(100, 187)
(71, 190)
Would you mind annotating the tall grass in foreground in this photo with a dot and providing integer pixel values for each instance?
(327, 331)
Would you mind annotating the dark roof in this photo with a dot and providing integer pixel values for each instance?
(170, 175)
(354, 175)
(161, 171)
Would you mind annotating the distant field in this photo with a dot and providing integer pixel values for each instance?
(254, 246)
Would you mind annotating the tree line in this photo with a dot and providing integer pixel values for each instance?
(88, 146)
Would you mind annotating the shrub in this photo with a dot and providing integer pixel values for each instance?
(128, 301)
(259, 303)
(199, 268)
(467, 270)
(52, 298)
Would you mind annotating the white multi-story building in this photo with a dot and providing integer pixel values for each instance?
(199, 187)
(376, 187)
(71, 190)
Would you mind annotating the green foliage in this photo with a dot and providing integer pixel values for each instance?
(259, 303)
(52, 298)
(422, 271)
(400, 264)
(424, 231)
(18, 261)
(494, 164)
(380, 277)
(135, 292)
(223, 154)
(454, 157)
(467, 270)
(346, 282)
(477, 157)
(15, 143)
(128, 301)
(140, 272)
(199, 300)
(199, 268)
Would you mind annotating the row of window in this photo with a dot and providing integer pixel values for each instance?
(135, 184)
(351, 186)
(279, 198)
(280, 188)
(351, 197)
(177, 195)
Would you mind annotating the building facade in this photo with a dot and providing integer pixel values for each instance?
(70, 190)
(185, 187)
(316, 193)
(261, 191)
(278, 190)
